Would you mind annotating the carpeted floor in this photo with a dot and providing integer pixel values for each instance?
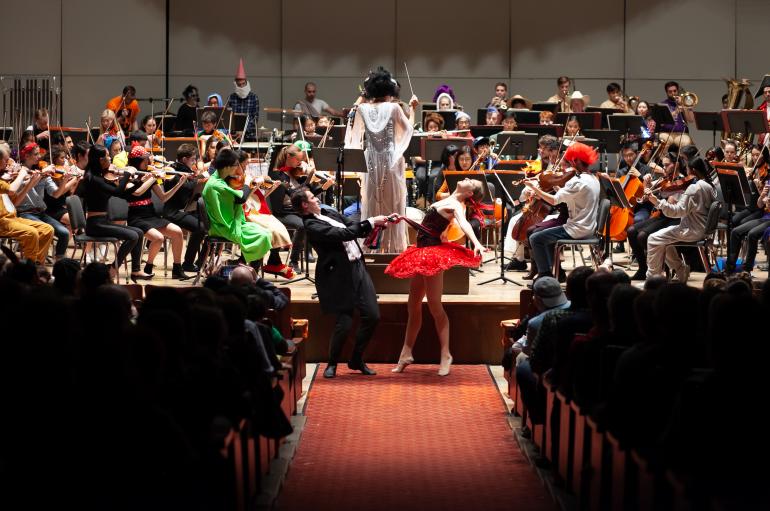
(409, 441)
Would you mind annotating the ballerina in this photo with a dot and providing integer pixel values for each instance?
(426, 261)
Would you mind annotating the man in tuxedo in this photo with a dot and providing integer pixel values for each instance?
(342, 281)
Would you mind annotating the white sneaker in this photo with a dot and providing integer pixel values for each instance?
(682, 274)
(89, 259)
(103, 252)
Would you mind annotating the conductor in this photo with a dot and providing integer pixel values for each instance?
(342, 281)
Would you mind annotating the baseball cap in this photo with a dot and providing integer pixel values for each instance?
(549, 291)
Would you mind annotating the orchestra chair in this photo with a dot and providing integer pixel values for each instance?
(706, 246)
(80, 238)
(595, 242)
(117, 212)
(212, 245)
(12, 244)
(157, 206)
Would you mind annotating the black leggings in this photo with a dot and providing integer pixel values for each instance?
(101, 226)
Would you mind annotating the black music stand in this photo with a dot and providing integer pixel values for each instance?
(509, 189)
(448, 115)
(339, 160)
(662, 115)
(431, 149)
(219, 111)
(337, 136)
(525, 116)
(626, 124)
(555, 130)
(609, 142)
(518, 143)
(6, 133)
(587, 120)
(280, 116)
(486, 131)
(735, 190)
(481, 116)
(605, 113)
(613, 190)
(745, 121)
(710, 121)
(546, 106)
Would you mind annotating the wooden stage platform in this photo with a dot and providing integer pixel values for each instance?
(474, 318)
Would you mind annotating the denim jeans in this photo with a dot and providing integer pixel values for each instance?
(60, 230)
(543, 243)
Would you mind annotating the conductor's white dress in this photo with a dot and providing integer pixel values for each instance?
(387, 131)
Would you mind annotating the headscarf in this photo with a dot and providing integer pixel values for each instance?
(445, 95)
(215, 95)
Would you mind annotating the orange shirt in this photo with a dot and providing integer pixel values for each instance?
(133, 108)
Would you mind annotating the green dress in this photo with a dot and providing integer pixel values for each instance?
(228, 221)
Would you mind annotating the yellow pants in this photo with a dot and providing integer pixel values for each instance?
(34, 237)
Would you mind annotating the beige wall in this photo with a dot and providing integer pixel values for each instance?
(527, 43)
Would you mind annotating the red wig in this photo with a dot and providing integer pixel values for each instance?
(581, 152)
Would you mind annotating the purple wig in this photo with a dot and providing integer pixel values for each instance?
(444, 88)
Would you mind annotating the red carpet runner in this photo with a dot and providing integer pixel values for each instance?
(409, 441)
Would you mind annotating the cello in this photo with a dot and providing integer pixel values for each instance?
(622, 218)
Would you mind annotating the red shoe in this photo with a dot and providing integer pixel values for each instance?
(280, 270)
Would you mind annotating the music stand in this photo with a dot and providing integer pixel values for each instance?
(432, 148)
(486, 131)
(587, 120)
(171, 146)
(745, 121)
(219, 111)
(238, 124)
(448, 115)
(546, 106)
(626, 124)
(555, 130)
(337, 136)
(604, 112)
(280, 114)
(526, 116)
(710, 121)
(662, 115)
(613, 190)
(160, 121)
(735, 189)
(509, 188)
(340, 160)
(519, 143)
(6, 133)
(274, 152)
(609, 142)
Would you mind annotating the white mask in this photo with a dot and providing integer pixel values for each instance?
(242, 92)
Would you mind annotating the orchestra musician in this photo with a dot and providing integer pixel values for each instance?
(108, 130)
(188, 111)
(692, 209)
(764, 91)
(126, 108)
(615, 99)
(224, 194)
(34, 237)
(643, 109)
(501, 95)
(98, 185)
(291, 169)
(40, 126)
(244, 101)
(682, 115)
(561, 97)
(150, 127)
(581, 195)
(578, 102)
(33, 206)
(313, 106)
(175, 208)
(638, 233)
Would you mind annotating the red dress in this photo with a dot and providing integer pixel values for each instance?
(430, 255)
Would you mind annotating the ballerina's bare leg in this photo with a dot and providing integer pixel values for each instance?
(434, 291)
(413, 322)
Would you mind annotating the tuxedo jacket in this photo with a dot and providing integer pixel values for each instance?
(334, 271)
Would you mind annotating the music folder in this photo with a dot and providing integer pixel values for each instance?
(353, 160)
(733, 182)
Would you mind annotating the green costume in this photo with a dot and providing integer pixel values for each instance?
(228, 221)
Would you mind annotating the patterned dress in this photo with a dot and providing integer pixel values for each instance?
(387, 132)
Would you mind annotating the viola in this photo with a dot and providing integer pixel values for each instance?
(673, 186)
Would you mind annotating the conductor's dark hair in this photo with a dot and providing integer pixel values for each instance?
(225, 158)
(379, 84)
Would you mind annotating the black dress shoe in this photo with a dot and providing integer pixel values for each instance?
(330, 371)
(360, 366)
(191, 267)
(516, 265)
(641, 274)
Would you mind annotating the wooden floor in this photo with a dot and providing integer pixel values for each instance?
(474, 318)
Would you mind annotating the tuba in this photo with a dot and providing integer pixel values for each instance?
(738, 92)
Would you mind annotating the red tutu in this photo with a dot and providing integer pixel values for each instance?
(429, 261)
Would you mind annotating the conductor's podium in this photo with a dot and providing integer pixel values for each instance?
(455, 279)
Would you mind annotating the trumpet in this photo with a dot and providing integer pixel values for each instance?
(687, 99)
(631, 102)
